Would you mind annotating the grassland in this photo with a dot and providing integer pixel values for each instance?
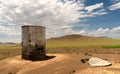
(9, 50)
(10, 46)
(68, 51)
(76, 43)
(83, 43)
(72, 43)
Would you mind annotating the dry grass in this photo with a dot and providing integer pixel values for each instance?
(71, 50)
(9, 50)
(10, 46)
(67, 44)
(82, 43)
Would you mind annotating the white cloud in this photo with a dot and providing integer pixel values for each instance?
(54, 15)
(106, 32)
(93, 7)
(102, 31)
(115, 6)
(116, 29)
(40, 12)
(9, 30)
(99, 10)
(115, 1)
(82, 32)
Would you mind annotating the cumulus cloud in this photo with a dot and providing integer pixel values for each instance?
(115, 1)
(56, 15)
(114, 32)
(115, 6)
(100, 12)
(82, 32)
(116, 29)
(93, 7)
(40, 12)
(8, 30)
(95, 10)
(102, 31)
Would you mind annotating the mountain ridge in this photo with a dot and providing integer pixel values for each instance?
(77, 36)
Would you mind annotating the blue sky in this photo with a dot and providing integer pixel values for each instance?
(109, 20)
(60, 17)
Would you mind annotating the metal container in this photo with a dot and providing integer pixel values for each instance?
(33, 42)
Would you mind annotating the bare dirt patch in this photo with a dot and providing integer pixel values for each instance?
(64, 63)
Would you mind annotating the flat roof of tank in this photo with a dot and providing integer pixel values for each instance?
(32, 26)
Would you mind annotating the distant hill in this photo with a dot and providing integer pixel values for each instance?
(9, 43)
(78, 41)
(76, 36)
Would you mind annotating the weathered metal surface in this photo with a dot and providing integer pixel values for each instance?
(33, 42)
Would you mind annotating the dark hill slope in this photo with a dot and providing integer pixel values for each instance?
(76, 36)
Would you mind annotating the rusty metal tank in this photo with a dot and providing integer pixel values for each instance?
(33, 42)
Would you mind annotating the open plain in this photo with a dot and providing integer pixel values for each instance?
(64, 56)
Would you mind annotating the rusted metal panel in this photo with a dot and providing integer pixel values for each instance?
(33, 42)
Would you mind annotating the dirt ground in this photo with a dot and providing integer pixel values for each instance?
(63, 60)
(61, 63)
